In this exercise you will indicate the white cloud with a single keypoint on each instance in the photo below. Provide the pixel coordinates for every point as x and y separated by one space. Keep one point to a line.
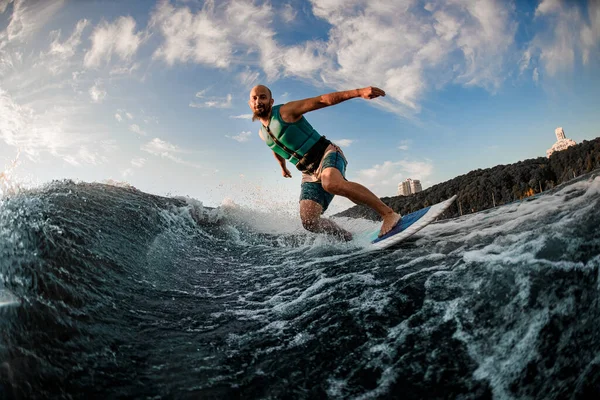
525 60
31 73
249 27
9 62
413 51
343 142
66 49
548 7
200 94
58 57
82 156
305 60
383 179
54 131
121 114
3 5
191 37
241 116
125 70
566 36
97 93
136 129
217 35
166 150
404 144
118 38
248 77
161 148
138 162
27 18
417 169
75 75
213 103
242 137
464 42
108 145
149 119
288 13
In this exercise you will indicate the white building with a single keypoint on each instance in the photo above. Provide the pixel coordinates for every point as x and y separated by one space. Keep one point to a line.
561 142
409 186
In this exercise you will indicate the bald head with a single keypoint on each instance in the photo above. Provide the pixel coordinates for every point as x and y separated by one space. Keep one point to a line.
260 102
261 89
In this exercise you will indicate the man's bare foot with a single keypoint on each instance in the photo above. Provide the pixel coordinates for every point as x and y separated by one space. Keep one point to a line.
389 222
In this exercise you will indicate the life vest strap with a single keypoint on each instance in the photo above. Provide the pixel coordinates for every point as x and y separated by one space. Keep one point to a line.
309 162
291 153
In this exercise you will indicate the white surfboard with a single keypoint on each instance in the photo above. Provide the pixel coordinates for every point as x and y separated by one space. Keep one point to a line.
410 224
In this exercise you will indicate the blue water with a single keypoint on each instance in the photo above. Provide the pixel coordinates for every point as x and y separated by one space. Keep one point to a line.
109 292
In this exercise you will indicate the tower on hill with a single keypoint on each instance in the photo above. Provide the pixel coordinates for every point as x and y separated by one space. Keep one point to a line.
561 142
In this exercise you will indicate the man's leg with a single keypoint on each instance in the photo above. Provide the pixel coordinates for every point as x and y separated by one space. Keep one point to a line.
310 214
334 183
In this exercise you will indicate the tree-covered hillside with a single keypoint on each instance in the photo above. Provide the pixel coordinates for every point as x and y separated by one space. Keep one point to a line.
483 188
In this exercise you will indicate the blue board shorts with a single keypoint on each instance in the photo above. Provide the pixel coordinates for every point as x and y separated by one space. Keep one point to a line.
314 190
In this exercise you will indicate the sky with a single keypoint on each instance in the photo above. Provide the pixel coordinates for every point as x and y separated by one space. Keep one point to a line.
154 94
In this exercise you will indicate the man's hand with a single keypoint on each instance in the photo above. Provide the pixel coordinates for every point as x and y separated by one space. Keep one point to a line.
370 92
285 172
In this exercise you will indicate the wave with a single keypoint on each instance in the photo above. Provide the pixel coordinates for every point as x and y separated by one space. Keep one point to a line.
107 291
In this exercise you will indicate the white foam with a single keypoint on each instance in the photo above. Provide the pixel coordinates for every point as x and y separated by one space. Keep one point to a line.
506 239
503 352
511 352
434 257
316 292
8 185
7 298
268 221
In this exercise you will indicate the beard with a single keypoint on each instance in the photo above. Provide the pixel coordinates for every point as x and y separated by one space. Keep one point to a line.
261 112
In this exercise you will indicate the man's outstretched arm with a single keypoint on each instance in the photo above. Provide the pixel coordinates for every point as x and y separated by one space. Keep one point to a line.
293 111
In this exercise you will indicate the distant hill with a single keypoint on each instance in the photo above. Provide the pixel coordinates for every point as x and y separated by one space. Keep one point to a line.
482 188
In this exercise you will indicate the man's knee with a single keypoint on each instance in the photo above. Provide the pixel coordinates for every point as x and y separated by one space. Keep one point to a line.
333 186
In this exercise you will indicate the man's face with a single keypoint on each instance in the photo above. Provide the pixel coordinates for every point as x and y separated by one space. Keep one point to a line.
260 102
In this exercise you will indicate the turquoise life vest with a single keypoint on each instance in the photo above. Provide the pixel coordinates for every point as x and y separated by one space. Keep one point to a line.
298 142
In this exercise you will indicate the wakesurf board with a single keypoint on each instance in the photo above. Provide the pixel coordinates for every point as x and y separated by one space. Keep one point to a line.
410 224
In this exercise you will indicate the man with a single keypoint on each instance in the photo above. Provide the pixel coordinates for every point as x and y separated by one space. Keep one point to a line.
322 163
